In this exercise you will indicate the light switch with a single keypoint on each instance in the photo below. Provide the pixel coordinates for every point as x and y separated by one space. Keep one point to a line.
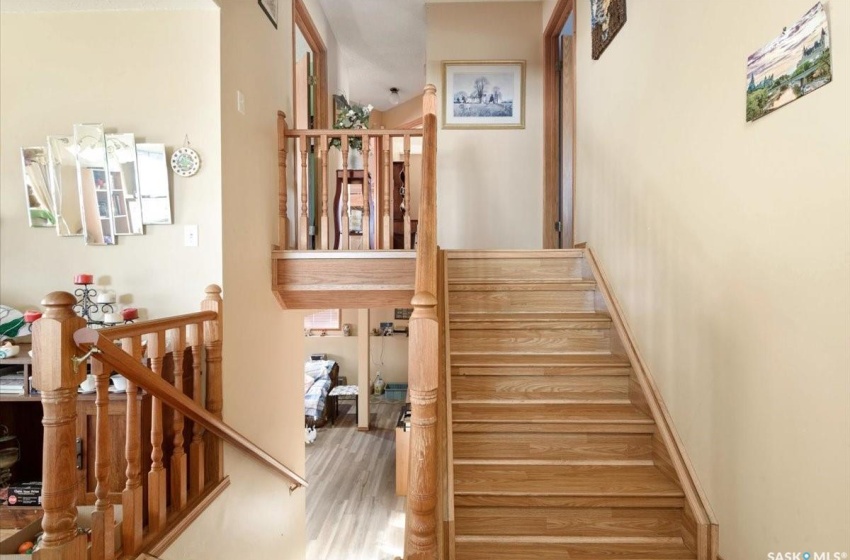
190 236
240 101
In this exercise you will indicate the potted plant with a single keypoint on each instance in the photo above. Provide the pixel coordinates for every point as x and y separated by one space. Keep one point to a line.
351 116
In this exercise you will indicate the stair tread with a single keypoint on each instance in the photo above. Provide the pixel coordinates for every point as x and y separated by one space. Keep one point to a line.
470 548
563 480
514 253
554 413
539 360
489 285
542 317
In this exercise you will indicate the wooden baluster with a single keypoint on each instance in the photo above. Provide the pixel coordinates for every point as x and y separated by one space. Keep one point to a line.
132 504
55 376
366 227
388 181
345 242
423 363
323 188
178 455
407 226
156 477
283 218
103 517
196 448
214 466
305 186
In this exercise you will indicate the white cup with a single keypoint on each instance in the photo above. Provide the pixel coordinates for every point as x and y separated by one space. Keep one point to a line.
113 318
120 382
89 384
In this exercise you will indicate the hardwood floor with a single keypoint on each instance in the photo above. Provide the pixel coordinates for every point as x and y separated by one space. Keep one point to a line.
352 510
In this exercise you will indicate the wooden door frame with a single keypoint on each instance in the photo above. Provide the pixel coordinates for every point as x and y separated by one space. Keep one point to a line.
551 131
302 22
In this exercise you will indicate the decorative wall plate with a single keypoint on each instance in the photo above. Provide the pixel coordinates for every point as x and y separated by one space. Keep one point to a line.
185 161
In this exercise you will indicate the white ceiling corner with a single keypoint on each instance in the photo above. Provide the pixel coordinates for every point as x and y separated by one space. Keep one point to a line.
382 45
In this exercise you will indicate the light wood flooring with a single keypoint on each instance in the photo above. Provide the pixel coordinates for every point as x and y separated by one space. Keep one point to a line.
352 510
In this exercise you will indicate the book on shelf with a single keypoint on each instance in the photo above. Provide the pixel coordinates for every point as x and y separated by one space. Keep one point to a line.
12 383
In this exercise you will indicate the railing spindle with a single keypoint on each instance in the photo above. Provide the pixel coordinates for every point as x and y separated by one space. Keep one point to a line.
132 524
103 518
388 181
366 226
345 242
156 477
196 448
323 178
178 454
305 186
283 217
407 226
57 378
214 458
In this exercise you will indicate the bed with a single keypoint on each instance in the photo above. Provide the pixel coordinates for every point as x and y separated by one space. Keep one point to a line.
320 376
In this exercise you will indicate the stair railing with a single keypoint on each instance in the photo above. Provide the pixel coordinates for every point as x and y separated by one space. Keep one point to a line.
421 534
331 213
155 357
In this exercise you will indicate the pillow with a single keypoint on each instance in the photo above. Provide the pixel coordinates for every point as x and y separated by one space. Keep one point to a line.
12 323
316 369
308 382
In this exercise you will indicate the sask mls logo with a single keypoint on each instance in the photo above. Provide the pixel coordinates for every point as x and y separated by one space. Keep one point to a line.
807 556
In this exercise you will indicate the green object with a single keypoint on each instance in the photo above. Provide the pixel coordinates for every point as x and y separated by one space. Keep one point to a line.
396 391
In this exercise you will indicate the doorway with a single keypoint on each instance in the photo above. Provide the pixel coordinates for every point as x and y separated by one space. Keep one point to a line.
559 133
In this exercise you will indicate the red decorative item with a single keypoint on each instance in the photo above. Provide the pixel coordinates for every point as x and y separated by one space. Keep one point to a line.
130 314
84 279
31 316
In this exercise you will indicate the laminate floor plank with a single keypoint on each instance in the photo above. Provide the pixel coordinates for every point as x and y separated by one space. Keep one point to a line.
352 510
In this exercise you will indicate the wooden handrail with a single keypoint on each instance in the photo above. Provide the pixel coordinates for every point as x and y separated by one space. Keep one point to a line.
111 355
338 132
157 325
423 360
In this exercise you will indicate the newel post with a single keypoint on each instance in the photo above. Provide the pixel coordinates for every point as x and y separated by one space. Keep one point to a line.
57 378
283 218
213 330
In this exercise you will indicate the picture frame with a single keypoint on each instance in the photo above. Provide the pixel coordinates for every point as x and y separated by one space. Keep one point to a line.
270 8
607 18
403 313
483 94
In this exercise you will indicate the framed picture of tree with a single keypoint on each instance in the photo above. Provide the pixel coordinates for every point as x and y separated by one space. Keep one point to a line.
484 94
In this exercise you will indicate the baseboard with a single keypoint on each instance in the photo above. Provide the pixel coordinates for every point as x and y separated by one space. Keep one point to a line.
707 538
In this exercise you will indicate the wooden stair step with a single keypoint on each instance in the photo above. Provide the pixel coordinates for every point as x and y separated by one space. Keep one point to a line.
563 480
581 338
578 297
540 548
539 387
569 522
554 446
548 413
520 320
519 254
520 501
560 285
597 361
508 267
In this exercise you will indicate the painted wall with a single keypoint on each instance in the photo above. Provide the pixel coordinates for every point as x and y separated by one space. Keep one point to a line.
53 75
728 246
263 346
489 181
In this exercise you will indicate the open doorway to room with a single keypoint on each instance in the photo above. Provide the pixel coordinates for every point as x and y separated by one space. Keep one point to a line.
356 398
559 135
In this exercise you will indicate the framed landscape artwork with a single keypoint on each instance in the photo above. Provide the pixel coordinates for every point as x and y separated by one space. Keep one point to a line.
484 94
607 17
792 65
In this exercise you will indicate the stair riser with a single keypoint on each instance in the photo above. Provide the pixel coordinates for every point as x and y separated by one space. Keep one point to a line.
536 301
550 428
506 388
564 447
545 371
531 341
501 269
557 551
569 522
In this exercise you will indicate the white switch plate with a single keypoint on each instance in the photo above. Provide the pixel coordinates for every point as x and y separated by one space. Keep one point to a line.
240 101
190 236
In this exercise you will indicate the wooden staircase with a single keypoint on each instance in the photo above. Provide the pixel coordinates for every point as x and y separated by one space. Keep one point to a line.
555 452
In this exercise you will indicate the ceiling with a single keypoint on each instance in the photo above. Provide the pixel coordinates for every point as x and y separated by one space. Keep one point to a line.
382 44
30 6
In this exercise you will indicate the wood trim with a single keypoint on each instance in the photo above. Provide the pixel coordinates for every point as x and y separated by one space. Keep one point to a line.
157 544
157 325
87 339
551 87
382 254
302 21
694 494
414 124
339 132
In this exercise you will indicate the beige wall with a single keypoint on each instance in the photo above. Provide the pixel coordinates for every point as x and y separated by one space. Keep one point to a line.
53 75
727 244
263 346
403 113
344 349
489 183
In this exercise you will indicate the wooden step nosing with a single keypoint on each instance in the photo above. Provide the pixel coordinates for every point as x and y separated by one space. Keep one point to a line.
574 494
546 539
462 254
513 400
558 462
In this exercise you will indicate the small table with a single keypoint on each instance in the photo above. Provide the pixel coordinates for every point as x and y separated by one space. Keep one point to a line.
343 392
